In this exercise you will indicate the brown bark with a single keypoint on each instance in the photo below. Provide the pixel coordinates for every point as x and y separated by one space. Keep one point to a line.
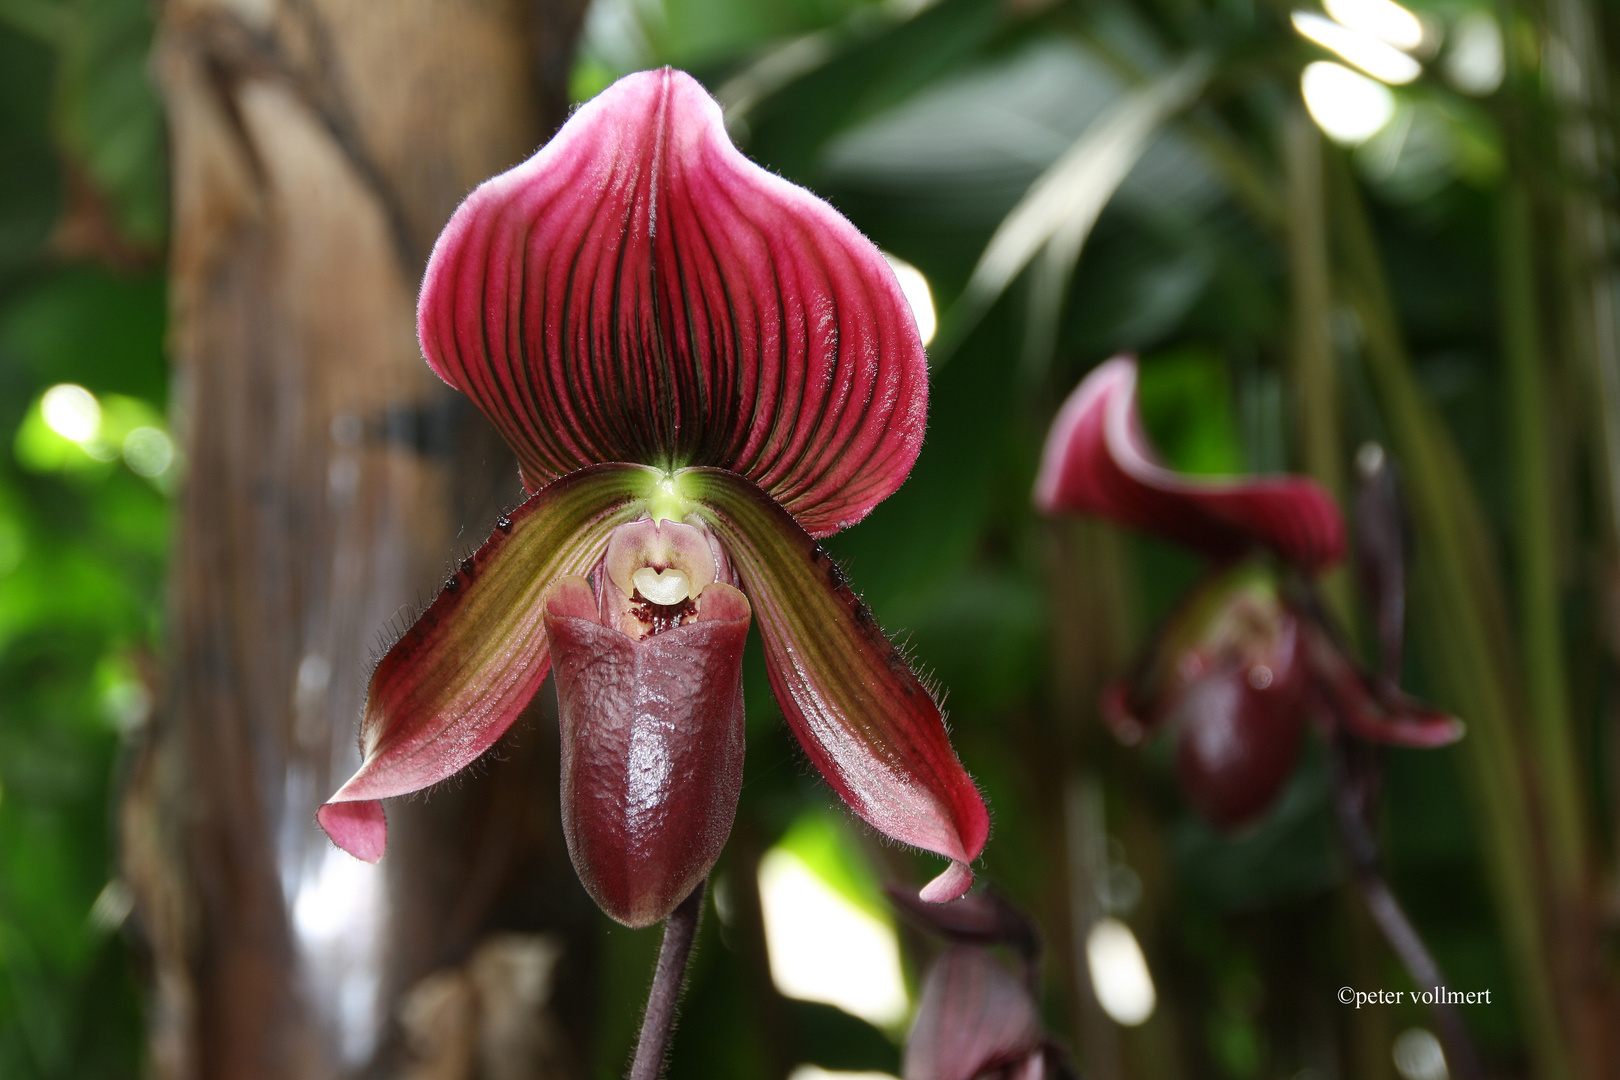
318 147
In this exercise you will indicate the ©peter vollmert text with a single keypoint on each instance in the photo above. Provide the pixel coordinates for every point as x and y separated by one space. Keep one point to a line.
1438 995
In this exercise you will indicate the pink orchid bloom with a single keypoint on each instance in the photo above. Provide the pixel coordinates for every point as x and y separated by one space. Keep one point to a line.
702 369
976 1019
1237 670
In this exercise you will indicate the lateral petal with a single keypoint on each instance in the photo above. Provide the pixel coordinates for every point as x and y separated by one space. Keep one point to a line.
640 291
867 722
461 674
1376 709
1098 461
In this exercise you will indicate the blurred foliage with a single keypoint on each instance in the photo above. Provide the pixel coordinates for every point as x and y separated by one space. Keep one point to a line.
83 535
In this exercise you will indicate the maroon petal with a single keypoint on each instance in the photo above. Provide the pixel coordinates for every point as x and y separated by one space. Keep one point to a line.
868 724
1377 710
1098 461
652 747
459 677
640 291
974 1017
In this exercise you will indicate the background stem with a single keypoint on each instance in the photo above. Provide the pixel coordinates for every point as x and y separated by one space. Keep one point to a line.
1465 623
1541 631
1353 783
1314 372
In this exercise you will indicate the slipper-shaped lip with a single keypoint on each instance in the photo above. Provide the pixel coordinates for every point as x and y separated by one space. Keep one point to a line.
974 1018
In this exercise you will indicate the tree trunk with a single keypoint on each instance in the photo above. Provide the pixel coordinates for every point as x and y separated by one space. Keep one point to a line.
318 146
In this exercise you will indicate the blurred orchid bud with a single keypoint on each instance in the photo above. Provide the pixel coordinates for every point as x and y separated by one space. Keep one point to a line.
1228 676
975 1020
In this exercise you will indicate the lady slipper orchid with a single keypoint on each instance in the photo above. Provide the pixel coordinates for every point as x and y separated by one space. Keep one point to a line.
975 1021
1242 663
702 369
976 1018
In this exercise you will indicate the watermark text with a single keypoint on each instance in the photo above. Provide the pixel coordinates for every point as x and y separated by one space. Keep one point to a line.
1438 995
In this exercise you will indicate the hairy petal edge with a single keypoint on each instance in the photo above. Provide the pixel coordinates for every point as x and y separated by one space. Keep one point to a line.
866 721
471 663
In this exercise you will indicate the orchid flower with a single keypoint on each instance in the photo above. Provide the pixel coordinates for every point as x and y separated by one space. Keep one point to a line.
702 370
1243 662
976 1018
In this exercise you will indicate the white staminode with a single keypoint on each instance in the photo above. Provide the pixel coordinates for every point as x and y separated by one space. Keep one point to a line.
1119 973
669 586
1350 108
824 948
72 412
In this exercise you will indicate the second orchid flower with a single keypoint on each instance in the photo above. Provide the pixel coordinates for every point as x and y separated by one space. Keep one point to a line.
1242 664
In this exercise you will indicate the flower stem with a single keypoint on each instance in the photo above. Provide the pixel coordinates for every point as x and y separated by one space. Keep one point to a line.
1355 783
680 928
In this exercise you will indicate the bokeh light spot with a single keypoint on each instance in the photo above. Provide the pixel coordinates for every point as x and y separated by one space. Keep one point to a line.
918 295
1119 973
1350 108
824 948
71 411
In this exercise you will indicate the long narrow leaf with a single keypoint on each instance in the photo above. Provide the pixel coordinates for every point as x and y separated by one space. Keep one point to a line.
1065 201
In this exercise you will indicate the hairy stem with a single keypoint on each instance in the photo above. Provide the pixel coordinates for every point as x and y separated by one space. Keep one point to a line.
1354 782
680 928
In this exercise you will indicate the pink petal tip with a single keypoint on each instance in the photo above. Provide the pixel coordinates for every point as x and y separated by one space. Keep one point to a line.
956 880
357 827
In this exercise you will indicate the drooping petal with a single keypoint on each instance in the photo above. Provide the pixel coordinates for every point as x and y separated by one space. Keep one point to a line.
974 1017
866 721
461 674
1098 461
1376 710
652 747
640 291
